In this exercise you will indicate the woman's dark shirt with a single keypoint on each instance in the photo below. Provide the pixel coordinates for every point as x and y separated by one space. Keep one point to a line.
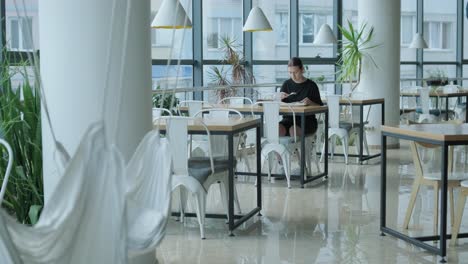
308 89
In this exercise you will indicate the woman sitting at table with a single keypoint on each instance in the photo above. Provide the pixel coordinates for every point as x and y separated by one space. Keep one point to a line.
299 89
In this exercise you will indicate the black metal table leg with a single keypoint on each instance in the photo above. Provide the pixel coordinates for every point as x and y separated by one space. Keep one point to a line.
446 108
326 144
302 172
231 183
443 211
361 132
466 109
259 169
383 184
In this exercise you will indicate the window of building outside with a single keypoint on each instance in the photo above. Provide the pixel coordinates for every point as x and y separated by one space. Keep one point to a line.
439 35
171 43
20 36
282 28
408 29
222 27
310 25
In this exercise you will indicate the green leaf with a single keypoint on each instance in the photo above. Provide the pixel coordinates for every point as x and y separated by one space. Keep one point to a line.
34 212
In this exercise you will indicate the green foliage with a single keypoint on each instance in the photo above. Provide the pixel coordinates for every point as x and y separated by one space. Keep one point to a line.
355 45
20 123
233 56
168 101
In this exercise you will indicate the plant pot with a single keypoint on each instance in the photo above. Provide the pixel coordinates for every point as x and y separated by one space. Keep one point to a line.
437 82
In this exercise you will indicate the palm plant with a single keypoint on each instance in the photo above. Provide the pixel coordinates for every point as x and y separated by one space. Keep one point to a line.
355 47
20 125
238 74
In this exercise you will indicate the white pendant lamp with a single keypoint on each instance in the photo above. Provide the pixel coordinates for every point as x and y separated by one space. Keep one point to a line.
418 42
256 21
171 15
325 36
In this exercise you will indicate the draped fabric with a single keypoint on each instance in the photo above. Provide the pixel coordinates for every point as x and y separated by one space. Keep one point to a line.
100 209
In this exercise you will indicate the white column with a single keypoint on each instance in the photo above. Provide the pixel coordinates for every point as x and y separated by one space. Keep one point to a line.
384 81
74 41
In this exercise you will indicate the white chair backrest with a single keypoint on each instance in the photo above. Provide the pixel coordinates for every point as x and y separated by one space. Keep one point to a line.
407 102
451 88
218 113
425 100
355 109
193 106
238 100
271 118
158 112
333 102
219 144
177 133
8 169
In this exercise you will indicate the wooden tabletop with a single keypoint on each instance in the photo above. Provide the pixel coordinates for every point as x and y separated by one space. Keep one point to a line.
438 132
284 108
359 101
216 124
437 94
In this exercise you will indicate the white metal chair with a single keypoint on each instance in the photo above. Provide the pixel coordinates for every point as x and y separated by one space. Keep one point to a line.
334 130
433 180
426 113
408 104
283 146
158 112
195 174
353 124
461 201
453 101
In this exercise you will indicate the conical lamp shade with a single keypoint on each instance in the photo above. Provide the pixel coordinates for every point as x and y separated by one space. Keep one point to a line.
257 21
325 35
171 15
418 42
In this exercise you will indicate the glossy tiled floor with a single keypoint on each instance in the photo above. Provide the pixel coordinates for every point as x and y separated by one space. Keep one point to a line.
332 221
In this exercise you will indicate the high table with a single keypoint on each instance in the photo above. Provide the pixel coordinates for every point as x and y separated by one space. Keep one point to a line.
444 135
230 127
459 94
299 110
361 103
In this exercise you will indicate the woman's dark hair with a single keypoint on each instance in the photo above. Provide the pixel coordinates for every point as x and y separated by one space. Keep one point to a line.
295 62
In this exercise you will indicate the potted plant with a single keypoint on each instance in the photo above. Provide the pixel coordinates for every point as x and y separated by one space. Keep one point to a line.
355 46
20 126
238 73
168 101
436 78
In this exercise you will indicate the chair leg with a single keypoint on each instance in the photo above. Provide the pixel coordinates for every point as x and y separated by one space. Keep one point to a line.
458 217
345 148
436 207
287 167
366 146
182 202
452 205
332 147
200 199
323 151
409 210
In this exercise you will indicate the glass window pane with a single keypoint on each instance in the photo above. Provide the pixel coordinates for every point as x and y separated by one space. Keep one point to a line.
18 36
465 31
313 14
440 20
438 71
408 29
162 41
173 78
221 20
273 45
269 74
350 12
407 75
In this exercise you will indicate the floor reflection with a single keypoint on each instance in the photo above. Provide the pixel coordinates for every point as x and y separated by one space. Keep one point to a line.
335 221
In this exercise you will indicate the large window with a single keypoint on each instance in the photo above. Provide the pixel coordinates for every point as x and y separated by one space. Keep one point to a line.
22 31
220 28
171 43
408 29
282 28
273 45
222 20
440 30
